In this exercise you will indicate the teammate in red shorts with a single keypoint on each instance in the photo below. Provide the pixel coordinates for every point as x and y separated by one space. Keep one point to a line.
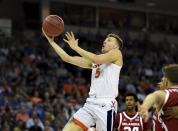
163 99
129 120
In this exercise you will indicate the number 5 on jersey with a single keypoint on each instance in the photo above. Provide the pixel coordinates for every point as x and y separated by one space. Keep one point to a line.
97 74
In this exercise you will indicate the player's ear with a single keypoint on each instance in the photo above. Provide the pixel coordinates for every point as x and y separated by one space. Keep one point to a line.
116 46
166 82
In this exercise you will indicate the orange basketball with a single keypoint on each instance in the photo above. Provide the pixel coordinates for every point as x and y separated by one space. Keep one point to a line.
53 25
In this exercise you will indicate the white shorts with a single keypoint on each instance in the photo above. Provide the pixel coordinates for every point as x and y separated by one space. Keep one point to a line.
99 112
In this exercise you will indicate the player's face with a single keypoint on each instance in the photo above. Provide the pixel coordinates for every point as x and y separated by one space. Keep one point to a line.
130 102
109 44
162 84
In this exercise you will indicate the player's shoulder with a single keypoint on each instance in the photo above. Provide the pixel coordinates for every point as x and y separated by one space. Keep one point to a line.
118 115
118 55
159 92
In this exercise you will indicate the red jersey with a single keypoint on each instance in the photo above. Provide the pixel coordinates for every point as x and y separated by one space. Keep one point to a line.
170 101
156 124
123 122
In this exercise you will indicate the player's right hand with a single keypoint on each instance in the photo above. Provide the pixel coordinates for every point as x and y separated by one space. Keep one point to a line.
143 112
50 39
72 42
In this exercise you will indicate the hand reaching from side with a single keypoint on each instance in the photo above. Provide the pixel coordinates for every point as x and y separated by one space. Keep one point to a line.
73 43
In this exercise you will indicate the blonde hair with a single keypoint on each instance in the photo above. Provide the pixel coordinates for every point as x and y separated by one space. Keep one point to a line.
171 73
118 38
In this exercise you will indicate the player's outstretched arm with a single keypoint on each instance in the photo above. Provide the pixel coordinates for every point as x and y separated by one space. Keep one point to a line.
155 99
73 43
108 57
78 61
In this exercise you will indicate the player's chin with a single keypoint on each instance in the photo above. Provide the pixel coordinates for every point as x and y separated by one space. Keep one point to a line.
130 107
102 50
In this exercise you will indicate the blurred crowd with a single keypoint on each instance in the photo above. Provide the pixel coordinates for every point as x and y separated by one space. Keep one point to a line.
40 92
110 18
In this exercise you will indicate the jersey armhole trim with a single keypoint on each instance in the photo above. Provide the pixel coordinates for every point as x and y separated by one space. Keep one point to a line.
141 122
120 121
165 100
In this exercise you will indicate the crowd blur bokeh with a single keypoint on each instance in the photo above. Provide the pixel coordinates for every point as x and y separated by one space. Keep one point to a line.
38 91
110 18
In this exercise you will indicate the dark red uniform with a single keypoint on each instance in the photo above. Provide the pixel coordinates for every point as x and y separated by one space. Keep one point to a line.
156 124
170 101
124 122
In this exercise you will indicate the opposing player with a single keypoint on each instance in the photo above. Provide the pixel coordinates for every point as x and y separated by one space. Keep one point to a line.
156 124
170 112
130 120
163 99
101 106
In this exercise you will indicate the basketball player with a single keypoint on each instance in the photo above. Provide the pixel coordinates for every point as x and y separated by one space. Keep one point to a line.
101 106
130 120
156 124
163 99
170 112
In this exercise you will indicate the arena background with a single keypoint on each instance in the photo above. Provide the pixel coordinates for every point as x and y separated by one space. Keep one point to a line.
36 85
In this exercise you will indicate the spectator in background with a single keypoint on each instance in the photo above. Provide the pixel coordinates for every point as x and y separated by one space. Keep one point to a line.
34 122
20 126
5 89
4 102
36 126
49 116
37 107
62 117
22 115
5 126
61 71
58 126
145 85
36 98
47 126
47 102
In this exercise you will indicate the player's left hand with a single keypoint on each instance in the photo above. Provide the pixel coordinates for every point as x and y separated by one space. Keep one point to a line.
143 112
171 112
73 43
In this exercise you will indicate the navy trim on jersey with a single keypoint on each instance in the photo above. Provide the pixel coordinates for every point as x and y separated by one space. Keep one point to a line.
114 116
110 119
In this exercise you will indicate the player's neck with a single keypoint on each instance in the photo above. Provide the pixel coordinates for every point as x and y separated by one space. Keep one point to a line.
131 112
176 85
172 85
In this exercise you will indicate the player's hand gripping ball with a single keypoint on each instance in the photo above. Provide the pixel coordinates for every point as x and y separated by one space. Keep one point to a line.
53 25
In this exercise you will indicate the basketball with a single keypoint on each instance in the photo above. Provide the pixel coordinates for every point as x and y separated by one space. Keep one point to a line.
53 25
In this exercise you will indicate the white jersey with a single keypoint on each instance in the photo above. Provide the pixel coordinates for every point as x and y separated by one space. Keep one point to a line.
101 106
105 80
